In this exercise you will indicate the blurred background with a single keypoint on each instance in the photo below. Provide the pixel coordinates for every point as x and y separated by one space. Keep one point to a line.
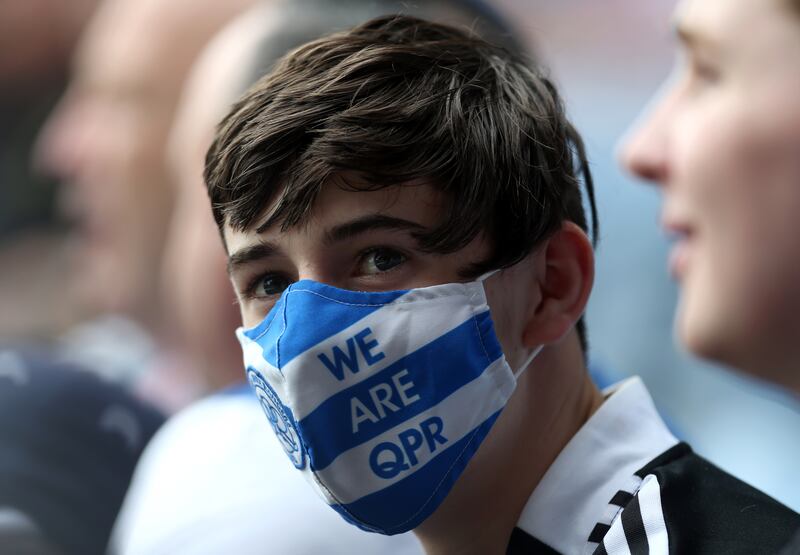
609 59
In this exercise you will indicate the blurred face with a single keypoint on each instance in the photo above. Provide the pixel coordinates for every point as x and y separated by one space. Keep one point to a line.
201 305
106 142
723 144
198 295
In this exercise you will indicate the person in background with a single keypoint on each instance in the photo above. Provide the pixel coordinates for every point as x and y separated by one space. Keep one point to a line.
722 145
213 481
105 142
69 442
36 40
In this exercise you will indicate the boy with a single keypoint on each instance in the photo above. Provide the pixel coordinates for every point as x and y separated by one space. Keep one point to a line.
403 217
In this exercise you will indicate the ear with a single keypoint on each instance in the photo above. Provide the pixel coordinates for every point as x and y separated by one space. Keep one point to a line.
564 275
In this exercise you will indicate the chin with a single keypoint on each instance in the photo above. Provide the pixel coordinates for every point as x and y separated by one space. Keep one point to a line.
778 372
711 337
698 334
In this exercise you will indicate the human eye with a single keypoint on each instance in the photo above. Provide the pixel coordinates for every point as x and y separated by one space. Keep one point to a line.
705 72
379 260
268 285
701 70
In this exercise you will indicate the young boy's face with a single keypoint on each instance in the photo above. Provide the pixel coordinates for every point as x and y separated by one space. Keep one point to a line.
357 240
724 145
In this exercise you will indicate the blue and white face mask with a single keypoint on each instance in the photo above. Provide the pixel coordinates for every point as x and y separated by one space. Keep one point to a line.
380 399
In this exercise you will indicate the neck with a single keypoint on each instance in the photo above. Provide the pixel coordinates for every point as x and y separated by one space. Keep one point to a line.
553 399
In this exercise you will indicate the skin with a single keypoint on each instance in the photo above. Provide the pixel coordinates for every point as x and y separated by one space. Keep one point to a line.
106 142
536 302
723 146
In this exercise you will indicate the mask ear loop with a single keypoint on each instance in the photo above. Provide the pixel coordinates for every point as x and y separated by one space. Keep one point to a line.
528 361
487 275
533 353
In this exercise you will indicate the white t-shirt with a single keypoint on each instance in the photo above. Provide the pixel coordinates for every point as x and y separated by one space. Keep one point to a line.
215 481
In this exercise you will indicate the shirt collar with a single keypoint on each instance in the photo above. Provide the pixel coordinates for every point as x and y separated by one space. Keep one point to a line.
621 437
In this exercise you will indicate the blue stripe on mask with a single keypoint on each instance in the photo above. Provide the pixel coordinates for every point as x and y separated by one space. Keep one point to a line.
468 350
313 321
409 496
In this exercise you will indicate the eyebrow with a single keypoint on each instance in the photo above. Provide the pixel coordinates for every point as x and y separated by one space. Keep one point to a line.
370 222
341 232
692 38
250 254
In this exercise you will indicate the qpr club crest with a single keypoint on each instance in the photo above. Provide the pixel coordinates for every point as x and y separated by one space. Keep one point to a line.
280 418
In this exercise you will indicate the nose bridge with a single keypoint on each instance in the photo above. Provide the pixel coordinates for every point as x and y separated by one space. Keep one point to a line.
316 272
645 152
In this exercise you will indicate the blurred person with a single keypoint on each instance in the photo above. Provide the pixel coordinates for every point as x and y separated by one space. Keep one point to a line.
631 311
401 205
36 39
69 443
106 142
212 481
722 144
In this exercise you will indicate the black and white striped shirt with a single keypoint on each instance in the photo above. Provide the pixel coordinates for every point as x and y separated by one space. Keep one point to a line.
625 485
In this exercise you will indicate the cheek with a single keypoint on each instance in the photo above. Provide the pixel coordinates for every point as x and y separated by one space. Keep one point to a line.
252 315
737 170
741 182
757 201
507 304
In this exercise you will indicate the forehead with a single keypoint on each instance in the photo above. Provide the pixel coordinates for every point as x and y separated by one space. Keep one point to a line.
132 49
730 21
215 80
418 202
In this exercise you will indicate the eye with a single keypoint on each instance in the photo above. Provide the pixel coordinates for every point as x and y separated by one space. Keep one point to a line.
270 285
704 71
380 260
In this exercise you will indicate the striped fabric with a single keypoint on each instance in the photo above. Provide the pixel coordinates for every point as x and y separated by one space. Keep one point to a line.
639 527
625 484
379 398
615 506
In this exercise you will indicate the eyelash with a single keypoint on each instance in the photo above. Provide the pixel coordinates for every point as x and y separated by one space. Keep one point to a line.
250 287
249 290
704 71
362 256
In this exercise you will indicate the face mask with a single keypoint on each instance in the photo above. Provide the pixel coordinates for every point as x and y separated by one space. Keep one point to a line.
380 399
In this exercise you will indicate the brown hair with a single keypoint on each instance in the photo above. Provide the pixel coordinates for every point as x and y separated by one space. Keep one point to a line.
394 100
